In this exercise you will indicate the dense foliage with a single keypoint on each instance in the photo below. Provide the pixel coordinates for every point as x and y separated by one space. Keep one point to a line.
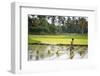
44 25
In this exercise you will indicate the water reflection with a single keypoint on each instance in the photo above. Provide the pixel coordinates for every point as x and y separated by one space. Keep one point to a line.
56 52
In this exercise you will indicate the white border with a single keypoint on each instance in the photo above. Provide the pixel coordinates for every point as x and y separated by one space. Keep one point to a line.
19 64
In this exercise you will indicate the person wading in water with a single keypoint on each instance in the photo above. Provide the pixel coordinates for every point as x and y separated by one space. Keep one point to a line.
71 49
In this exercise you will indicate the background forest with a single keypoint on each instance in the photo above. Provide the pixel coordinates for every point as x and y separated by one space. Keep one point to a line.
40 24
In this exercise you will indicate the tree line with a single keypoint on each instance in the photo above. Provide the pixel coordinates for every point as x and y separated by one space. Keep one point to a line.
42 24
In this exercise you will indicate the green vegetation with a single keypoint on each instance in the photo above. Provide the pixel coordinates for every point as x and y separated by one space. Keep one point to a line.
67 33
57 29
56 25
58 39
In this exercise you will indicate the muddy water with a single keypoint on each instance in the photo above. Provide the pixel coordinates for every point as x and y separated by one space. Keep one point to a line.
56 52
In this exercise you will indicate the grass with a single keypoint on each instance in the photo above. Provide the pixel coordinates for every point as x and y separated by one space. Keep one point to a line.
59 39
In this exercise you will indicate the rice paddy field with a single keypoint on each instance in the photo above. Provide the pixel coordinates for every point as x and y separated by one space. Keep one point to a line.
55 47
58 39
53 37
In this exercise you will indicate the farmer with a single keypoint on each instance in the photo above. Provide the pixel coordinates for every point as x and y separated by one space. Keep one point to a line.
71 49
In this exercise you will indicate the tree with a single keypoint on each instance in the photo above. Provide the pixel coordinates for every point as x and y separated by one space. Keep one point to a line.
61 20
68 24
82 23
41 24
53 19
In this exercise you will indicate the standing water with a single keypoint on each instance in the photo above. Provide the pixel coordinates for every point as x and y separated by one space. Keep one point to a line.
56 52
